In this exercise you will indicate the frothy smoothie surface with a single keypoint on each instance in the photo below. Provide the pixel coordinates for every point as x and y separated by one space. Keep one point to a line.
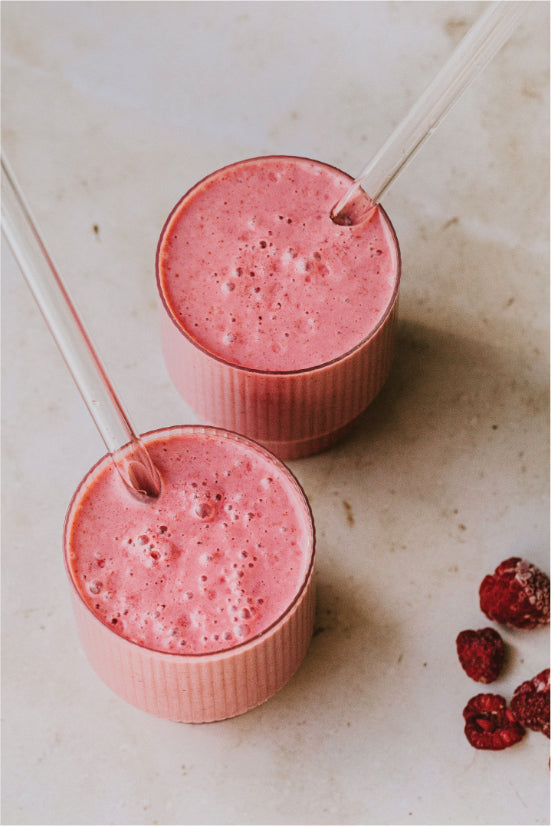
216 560
252 267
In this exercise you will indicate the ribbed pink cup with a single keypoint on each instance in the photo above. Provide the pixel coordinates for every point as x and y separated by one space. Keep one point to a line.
292 413
200 688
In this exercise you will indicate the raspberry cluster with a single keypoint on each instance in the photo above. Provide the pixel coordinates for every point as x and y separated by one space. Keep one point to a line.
517 595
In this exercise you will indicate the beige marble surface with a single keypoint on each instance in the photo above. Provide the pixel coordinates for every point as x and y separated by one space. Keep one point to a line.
110 111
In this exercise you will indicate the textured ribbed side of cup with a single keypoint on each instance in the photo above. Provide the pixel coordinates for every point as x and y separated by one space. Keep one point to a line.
292 414
204 688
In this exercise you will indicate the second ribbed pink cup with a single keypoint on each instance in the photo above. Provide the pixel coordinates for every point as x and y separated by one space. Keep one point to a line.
276 322
199 605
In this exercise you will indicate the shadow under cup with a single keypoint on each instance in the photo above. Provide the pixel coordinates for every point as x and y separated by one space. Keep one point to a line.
204 687
292 413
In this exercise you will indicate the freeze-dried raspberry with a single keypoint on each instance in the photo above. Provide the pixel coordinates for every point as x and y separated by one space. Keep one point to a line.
530 703
481 653
516 594
489 724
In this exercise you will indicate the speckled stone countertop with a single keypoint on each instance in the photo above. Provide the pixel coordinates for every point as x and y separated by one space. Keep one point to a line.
110 112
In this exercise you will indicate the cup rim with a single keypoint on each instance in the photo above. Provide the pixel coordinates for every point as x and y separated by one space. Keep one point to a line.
222 652
255 370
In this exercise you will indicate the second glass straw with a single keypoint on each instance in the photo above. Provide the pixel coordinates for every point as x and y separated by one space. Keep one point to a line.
478 47
126 448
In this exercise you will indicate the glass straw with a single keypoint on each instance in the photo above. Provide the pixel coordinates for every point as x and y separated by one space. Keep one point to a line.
475 51
129 454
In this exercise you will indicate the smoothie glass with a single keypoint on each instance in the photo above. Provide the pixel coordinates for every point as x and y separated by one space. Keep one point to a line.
294 409
229 676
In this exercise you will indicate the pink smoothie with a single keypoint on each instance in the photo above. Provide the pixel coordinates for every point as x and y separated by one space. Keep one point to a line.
254 270
276 322
212 564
